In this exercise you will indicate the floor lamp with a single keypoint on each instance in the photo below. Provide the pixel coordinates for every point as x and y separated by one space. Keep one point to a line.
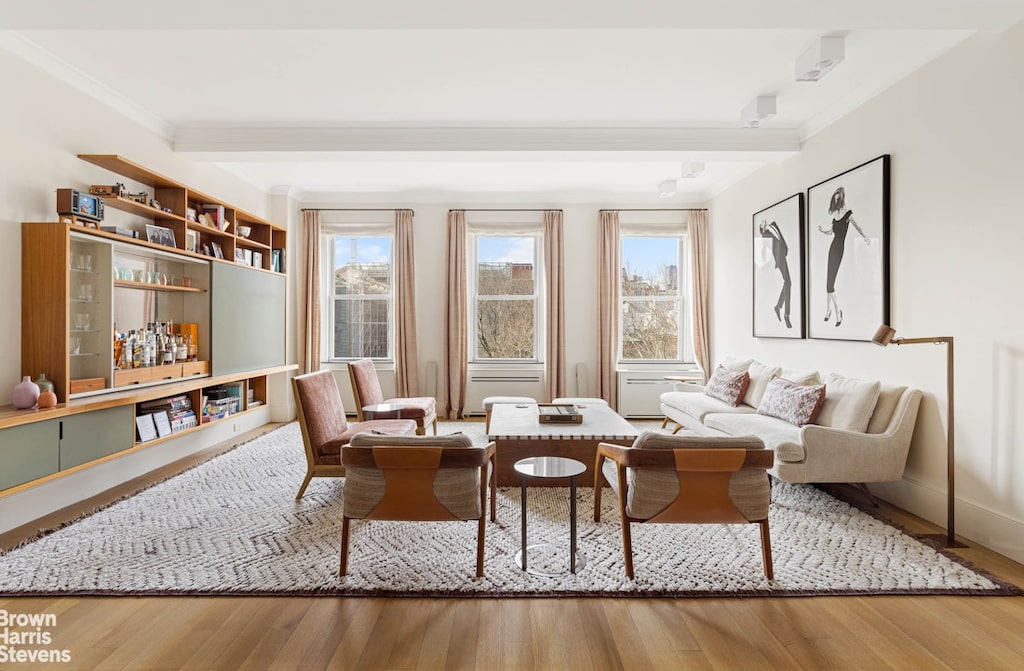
885 335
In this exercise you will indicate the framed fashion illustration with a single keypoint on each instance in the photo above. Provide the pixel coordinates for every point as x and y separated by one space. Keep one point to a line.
848 253
778 268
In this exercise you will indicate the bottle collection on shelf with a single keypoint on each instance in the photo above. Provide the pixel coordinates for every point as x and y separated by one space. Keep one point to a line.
159 343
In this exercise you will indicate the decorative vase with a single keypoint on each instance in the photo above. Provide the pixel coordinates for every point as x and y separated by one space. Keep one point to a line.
47 399
25 394
44 384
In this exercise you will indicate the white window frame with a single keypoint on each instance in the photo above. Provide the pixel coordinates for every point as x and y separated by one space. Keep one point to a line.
538 297
328 297
684 353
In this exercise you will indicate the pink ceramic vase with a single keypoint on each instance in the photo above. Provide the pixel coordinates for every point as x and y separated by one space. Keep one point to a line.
25 394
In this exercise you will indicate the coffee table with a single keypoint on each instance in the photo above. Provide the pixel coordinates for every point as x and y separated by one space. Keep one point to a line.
545 468
517 434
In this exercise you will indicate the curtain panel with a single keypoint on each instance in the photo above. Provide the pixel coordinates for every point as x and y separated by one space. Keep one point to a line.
407 381
699 278
608 307
554 274
310 300
455 320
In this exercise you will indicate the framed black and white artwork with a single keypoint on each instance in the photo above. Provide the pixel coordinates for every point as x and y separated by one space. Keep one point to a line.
848 253
778 267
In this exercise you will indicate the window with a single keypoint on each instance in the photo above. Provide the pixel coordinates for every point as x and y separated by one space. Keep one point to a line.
361 297
504 293
653 320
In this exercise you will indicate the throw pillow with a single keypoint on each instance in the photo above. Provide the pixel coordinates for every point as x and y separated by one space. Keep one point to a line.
797 404
760 376
734 364
849 402
801 376
727 385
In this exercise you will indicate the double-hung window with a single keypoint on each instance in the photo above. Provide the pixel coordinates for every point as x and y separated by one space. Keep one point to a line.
505 297
360 293
654 305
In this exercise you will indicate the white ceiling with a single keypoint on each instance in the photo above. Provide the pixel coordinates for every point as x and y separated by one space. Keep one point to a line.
410 100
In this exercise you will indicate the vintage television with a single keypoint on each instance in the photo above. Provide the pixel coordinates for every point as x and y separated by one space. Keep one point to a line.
78 204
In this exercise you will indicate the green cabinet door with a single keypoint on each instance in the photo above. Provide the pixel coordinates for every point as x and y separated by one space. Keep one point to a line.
92 435
29 452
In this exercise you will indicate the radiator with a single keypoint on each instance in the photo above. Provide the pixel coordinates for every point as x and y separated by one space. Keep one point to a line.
483 383
640 393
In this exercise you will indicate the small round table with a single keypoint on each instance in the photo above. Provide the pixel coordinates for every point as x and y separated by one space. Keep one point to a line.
551 467
390 410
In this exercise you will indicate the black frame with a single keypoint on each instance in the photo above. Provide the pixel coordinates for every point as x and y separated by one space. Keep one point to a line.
769 320
860 294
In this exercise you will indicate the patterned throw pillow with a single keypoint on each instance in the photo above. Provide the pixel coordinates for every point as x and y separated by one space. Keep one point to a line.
795 403
727 385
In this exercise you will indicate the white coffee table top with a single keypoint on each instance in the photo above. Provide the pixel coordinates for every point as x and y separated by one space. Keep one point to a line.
520 421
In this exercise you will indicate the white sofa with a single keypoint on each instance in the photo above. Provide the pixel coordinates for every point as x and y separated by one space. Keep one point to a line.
826 451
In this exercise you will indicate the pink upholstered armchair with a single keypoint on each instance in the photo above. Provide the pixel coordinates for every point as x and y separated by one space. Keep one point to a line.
325 429
366 389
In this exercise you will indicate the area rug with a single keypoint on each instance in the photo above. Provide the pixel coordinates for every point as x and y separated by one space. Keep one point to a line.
231 526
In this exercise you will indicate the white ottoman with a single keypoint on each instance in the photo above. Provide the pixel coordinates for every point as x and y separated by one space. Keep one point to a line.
491 400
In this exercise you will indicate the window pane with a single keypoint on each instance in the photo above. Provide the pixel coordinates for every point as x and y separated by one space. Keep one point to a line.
504 329
650 266
360 328
505 266
362 265
650 329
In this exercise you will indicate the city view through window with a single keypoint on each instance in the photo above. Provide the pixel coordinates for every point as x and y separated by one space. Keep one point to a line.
362 297
506 297
650 322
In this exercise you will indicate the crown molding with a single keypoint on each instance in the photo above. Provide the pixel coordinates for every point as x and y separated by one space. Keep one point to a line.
72 76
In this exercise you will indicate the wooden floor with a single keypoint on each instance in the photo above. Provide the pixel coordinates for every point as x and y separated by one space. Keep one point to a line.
702 633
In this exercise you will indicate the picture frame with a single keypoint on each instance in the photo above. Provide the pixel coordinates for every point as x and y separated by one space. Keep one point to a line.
206 250
239 255
848 253
777 264
160 235
191 241
190 213
217 251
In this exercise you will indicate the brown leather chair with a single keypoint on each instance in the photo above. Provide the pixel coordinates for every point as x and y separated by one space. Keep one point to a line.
366 389
325 428
417 478
688 479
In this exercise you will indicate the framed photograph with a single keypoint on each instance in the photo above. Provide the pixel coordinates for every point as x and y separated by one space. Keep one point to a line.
239 255
848 253
778 268
217 251
206 250
191 241
190 213
160 235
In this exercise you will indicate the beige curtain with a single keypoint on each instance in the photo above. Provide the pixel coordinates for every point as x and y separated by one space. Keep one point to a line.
698 229
407 381
608 307
455 326
554 274
310 336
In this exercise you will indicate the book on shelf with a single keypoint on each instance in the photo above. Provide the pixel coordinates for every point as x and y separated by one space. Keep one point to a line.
216 214
277 260
146 428
163 423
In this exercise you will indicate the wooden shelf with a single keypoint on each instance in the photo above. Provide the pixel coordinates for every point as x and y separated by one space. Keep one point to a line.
126 205
132 284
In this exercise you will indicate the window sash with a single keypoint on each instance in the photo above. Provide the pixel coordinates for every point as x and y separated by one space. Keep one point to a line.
681 298
476 299
329 326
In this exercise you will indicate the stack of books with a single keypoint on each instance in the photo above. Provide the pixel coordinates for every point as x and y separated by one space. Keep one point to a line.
221 401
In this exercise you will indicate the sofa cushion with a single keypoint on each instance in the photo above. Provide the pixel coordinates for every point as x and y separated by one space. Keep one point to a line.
801 376
699 405
728 386
849 402
736 365
777 435
888 397
760 376
795 403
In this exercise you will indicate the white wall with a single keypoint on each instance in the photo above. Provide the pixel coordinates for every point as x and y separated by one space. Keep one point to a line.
957 235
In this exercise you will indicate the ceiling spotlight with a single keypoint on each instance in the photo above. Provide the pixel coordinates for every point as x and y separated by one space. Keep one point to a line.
667 188
819 60
758 111
692 169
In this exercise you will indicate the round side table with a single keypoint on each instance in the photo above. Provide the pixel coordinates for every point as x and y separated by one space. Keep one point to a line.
550 467
389 410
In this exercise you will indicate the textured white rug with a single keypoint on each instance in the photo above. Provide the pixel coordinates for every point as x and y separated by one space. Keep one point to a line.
231 526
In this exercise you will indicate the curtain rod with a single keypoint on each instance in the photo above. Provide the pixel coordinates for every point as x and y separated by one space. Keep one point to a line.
355 209
656 209
510 209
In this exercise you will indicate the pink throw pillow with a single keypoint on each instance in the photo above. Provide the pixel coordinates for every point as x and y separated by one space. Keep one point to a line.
727 385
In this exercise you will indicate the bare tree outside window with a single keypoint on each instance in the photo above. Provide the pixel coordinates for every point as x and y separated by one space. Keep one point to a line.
506 297
362 297
652 319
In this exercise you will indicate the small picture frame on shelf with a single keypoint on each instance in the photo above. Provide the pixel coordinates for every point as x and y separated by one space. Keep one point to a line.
191 241
160 235
240 255
190 213
217 251
206 250
205 220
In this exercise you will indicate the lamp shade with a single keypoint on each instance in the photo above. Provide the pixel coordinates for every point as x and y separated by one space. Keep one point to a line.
884 335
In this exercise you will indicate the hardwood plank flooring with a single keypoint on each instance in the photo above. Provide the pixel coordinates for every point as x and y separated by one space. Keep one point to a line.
891 632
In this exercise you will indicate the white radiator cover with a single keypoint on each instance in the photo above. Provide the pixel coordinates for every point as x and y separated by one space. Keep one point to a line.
640 392
482 383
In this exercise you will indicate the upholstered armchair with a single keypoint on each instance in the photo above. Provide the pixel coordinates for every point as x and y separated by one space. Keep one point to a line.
690 480
325 428
417 478
366 389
